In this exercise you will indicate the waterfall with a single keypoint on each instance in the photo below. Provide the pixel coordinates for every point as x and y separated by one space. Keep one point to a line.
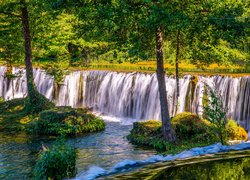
17 88
134 95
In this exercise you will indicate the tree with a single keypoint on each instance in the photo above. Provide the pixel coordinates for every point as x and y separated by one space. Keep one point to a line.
17 13
215 113
28 52
220 33
124 24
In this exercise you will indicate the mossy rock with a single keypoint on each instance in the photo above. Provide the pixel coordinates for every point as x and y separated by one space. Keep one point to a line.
66 121
149 127
235 132
11 106
191 131
147 133
38 104
13 116
188 125
57 114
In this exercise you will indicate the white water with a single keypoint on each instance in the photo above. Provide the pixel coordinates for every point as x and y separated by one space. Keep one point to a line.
134 96
124 165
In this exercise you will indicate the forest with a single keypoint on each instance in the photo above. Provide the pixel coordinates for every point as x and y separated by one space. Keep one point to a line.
114 88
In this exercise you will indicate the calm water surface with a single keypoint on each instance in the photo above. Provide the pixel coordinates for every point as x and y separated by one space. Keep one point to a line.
18 153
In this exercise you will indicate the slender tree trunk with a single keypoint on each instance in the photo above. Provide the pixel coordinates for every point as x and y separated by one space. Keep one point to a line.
167 130
28 51
177 64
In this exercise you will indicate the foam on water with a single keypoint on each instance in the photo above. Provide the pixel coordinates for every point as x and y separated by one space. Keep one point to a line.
122 121
127 164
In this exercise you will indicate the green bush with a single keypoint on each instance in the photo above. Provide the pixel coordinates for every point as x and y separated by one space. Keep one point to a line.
215 113
190 129
67 121
235 132
147 133
38 104
188 125
58 162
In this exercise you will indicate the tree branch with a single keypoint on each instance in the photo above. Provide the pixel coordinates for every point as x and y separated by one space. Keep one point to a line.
10 14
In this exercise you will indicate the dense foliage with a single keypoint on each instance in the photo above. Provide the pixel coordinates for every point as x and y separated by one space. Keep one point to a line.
66 121
191 131
57 162
80 32
14 118
215 112
235 132
191 126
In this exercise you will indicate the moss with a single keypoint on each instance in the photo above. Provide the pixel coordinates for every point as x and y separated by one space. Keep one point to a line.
147 134
235 132
191 131
188 125
58 120
37 104
13 116
66 120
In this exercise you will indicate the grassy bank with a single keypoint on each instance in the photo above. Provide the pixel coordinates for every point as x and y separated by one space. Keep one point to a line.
150 67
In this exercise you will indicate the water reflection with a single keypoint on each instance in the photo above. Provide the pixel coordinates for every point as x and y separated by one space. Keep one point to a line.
223 169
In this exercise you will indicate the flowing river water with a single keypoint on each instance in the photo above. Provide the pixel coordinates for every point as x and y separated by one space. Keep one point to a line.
122 97
104 149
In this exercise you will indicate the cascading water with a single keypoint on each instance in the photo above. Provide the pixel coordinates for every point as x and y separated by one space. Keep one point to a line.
16 88
134 95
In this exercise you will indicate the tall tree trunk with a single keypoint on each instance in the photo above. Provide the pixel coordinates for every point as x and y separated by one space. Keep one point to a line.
28 51
177 64
167 130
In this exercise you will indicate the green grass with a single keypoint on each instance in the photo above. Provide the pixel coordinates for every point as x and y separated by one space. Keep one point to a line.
149 67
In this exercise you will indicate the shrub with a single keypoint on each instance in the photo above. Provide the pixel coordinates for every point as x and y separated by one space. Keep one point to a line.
67 121
56 163
150 127
38 104
187 125
235 132
191 131
147 133
215 113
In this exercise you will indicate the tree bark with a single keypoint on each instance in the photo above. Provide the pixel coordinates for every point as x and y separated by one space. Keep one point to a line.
167 130
177 65
28 51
